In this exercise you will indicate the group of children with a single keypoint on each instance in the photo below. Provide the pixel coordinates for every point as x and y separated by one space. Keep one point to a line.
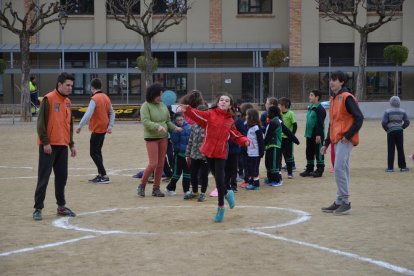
226 141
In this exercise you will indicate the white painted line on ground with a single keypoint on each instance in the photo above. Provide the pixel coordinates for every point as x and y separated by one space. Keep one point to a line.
9 167
48 245
382 264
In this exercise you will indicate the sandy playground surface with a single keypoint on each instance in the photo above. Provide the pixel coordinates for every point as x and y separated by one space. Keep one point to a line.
274 231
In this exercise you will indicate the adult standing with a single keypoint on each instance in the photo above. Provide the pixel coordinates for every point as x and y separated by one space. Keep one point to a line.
101 117
55 133
157 122
345 121
34 94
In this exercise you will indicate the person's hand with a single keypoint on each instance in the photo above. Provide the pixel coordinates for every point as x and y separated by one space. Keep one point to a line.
161 129
188 160
109 130
183 107
178 129
47 149
323 150
78 130
318 140
344 140
248 144
72 151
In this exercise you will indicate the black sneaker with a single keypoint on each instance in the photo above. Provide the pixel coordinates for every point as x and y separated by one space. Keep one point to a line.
306 173
93 180
404 169
317 173
65 212
141 190
102 180
331 208
37 214
344 209
157 193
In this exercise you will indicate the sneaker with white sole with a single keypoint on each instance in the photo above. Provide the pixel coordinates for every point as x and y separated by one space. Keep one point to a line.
170 193
93 180
201 197
141 190
344 209
331 208
37 214
65 212
102 180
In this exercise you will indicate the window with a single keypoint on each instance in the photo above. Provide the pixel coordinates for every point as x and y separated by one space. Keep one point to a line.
121 9
166 6
339 54
254 6
336 5
81 7
389 5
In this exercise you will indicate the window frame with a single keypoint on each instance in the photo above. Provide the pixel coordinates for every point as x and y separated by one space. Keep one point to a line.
248 9
88 7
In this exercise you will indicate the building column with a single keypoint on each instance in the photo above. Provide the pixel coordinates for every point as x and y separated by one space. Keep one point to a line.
216 36
295 48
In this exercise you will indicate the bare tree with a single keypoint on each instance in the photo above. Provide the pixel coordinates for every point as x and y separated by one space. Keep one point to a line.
26 25
345 12
169 13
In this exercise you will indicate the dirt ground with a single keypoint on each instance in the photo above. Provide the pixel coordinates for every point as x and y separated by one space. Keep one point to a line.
273 231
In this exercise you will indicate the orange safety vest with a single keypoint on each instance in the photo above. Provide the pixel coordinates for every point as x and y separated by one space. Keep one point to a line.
58 124
340 119
100 118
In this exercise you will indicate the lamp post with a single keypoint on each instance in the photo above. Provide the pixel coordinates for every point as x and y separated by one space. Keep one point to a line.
63 18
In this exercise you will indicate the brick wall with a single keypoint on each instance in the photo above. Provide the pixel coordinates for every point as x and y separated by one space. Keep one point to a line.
295 47
216 36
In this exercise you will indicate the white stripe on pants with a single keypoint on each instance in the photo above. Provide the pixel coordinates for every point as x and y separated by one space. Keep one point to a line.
342 153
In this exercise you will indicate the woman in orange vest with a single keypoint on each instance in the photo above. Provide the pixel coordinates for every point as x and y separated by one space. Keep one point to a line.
55 135
345 121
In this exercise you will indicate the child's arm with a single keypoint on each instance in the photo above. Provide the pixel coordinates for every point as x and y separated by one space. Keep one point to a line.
237 137
290 135
271 127
320 115
260 143
385 121
406 121
198 116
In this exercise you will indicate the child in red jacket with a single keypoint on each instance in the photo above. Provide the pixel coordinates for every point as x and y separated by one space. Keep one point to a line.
219 125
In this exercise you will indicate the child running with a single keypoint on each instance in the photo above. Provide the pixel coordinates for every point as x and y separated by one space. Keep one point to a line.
255 150
219 125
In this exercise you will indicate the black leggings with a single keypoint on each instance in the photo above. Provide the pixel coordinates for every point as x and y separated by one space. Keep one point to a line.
217 167
96 144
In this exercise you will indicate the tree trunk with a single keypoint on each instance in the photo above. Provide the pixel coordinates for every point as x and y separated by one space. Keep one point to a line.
360 86
273 82
396 81
26 114
148 61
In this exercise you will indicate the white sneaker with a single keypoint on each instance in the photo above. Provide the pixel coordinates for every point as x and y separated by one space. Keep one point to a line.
170 193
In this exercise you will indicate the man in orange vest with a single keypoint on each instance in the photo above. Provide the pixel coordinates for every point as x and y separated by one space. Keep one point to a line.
101 118
55 134
345 121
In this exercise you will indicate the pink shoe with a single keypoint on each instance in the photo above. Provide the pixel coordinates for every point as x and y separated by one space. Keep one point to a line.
244 184
332 170
214 193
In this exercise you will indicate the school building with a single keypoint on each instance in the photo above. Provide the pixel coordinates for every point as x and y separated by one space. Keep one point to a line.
221 45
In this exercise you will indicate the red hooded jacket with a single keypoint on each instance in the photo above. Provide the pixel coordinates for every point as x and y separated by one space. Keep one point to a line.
218 125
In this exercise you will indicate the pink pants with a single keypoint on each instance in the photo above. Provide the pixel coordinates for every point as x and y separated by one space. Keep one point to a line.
156 155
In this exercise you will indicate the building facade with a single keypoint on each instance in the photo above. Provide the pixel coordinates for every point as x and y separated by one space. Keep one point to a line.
221 45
